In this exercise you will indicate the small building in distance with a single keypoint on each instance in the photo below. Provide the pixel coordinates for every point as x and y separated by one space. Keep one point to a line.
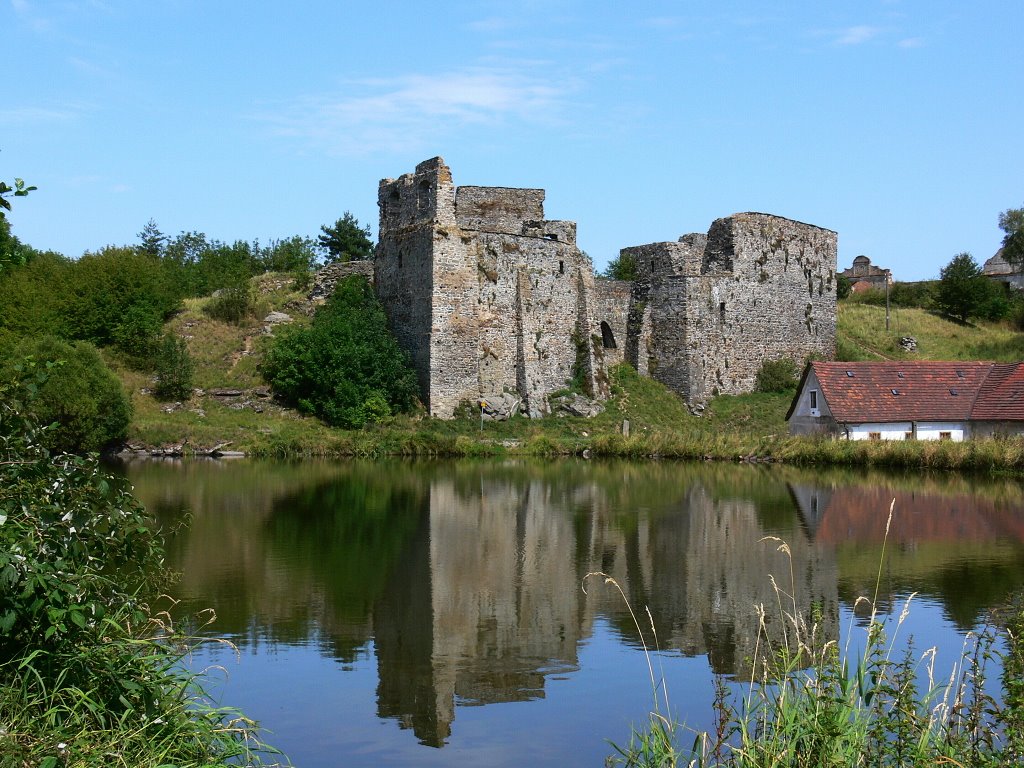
998 268
865 276
909 400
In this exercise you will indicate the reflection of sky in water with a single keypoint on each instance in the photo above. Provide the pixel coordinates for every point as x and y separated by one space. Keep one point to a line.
321 712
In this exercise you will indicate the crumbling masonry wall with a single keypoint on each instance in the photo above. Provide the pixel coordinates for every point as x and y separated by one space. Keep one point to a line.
489 297
485 294
708 311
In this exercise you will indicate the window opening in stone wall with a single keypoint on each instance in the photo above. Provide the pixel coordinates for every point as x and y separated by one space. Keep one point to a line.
607 337
550 236
721 311
814 398
399 259
423 196
561 267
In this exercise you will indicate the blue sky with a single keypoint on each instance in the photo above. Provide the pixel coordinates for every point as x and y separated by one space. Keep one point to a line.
896 123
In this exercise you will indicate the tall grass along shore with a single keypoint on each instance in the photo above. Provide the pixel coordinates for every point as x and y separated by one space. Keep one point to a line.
91 671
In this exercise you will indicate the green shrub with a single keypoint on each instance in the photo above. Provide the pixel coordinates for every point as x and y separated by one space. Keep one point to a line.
777 376
346 367
232 304
81 395
173 369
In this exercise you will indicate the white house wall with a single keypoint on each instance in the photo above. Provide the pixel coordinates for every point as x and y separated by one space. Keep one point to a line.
925 430
929 430
888 431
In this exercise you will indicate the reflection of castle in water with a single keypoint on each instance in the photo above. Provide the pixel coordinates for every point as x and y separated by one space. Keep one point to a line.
465 579
486 602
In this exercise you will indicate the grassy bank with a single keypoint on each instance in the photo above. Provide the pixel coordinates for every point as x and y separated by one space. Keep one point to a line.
747 427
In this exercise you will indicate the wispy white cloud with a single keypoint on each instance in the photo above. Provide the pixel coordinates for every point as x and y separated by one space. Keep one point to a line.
493 24
856 35
911 42
416 110
29 16
35 115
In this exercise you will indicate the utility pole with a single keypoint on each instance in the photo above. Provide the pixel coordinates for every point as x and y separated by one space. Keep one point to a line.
887 277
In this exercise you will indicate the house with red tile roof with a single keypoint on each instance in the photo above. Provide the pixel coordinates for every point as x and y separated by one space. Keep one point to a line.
909 400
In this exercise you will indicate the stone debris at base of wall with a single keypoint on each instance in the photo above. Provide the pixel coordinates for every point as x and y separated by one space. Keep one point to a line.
909 343
577 405
500 407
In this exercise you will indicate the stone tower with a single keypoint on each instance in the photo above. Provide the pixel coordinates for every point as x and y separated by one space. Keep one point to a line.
484 293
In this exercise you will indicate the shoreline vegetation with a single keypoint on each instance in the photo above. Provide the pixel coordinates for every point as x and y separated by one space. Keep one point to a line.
876 700
746 428
231 410
92 670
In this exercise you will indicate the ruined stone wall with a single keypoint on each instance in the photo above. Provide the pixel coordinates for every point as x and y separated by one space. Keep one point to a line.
528 304
774 298
610 307
487 296
498 209
328 276
706 312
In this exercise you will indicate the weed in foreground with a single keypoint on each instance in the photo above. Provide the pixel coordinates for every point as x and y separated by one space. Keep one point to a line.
810 704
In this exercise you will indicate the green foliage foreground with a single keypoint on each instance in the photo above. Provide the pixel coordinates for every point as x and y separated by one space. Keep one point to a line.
89 675
810 704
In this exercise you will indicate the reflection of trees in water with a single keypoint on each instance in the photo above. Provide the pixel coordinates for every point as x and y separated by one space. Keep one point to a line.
467 575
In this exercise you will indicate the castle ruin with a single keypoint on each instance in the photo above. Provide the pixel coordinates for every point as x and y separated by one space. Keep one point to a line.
489 297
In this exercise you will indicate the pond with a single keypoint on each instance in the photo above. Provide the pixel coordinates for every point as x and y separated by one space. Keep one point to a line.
398 613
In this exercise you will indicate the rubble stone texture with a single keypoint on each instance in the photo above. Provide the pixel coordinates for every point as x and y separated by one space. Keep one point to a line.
488 296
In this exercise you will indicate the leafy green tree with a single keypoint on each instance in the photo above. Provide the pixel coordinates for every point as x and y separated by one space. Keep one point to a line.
18 190
296 254
35 296
777 376
843 286
622 267
151 239
963 288
346 367
120 296
12 252
80 394
345 240
173 369
1012 223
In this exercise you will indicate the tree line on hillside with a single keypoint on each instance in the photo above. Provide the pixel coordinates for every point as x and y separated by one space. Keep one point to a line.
344 367
61 311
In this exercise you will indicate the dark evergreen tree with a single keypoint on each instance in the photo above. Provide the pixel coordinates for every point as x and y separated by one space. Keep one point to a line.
151 239
346 240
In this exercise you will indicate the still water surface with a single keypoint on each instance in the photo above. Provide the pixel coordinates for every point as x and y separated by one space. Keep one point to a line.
395 613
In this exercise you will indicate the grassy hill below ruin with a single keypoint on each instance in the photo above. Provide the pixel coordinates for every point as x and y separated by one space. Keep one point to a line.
233 408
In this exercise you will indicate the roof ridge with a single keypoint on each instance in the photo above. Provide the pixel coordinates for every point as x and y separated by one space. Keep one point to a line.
977 392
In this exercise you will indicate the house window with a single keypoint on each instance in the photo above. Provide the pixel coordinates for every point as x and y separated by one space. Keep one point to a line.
945 435
814 398
874 435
